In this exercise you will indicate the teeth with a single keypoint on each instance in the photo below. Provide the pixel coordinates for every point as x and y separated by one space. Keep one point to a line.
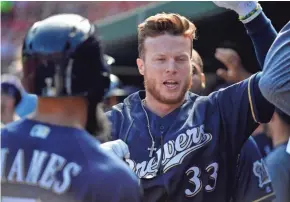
170 82
170 85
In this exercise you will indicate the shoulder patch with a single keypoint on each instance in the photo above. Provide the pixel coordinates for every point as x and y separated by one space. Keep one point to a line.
260 170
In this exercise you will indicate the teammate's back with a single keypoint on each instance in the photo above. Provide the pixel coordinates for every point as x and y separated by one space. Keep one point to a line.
53 163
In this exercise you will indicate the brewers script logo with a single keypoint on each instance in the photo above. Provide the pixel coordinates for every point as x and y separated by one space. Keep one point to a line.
174 152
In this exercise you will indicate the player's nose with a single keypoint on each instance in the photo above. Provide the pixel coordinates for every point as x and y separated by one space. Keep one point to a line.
171 66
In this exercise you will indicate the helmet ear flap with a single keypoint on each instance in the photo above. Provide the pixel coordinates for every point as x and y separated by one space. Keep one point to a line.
90 73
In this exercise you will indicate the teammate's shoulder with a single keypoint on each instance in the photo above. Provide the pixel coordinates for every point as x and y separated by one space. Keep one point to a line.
110 173
191 96
128 104
11 127
112 170
116 111
198 99
251 143
118 107
250 148
131 100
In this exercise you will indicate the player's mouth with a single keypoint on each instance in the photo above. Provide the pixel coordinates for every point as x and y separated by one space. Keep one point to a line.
170 84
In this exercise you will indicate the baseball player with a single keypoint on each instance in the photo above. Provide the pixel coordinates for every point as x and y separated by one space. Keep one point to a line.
181 145
52 156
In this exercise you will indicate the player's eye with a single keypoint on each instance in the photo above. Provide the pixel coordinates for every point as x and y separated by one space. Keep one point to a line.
182 59
160 59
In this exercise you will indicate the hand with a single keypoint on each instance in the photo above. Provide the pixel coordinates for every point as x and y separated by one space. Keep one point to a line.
117 147
242 8
235 70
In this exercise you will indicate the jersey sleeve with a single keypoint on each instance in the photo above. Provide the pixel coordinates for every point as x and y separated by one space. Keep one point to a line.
242 107
262 34
253 180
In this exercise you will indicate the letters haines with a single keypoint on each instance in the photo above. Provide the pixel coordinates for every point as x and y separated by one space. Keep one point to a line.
174 152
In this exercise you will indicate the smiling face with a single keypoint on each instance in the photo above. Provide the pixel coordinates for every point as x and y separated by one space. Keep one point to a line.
166 67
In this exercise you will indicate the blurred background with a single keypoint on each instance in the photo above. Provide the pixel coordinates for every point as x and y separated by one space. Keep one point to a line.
117 22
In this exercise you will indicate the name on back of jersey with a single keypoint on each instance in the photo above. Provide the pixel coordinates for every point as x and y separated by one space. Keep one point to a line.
45 170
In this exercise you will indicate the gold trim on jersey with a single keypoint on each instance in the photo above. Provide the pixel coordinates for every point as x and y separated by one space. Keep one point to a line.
250 101
264 197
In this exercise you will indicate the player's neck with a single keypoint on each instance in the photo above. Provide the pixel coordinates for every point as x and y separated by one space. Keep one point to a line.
159 108
8 118
68 111
280 135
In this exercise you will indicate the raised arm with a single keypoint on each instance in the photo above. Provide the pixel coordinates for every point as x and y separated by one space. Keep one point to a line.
258 26
262 34
247 105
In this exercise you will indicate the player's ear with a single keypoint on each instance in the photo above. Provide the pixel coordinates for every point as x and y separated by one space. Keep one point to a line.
141 66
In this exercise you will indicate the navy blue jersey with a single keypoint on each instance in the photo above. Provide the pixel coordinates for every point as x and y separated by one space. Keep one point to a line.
264 143
197 144
253 181
43 162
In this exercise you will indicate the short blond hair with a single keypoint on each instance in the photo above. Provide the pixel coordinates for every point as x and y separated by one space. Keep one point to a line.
164 23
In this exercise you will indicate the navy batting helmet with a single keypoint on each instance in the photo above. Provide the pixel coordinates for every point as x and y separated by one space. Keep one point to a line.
62 56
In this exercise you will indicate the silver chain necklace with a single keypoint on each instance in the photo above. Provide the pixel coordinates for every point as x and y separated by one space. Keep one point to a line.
152 148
